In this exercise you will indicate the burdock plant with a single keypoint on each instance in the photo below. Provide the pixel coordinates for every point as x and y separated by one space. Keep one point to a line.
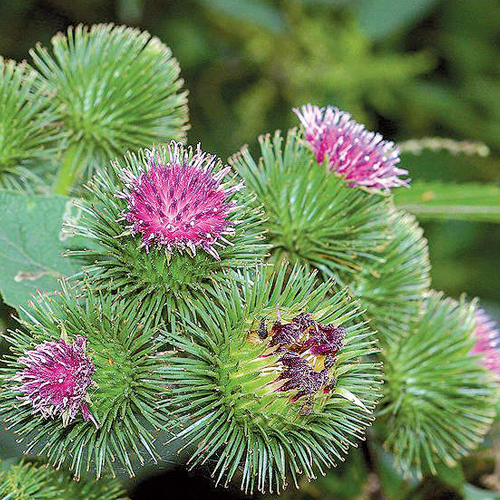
276 379
27 125
114 88
82 382
169 222
441 390
250 311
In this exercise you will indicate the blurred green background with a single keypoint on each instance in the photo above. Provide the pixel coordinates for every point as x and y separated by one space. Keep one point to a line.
408 68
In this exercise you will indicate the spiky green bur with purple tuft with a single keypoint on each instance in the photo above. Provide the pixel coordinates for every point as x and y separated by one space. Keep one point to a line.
169 223
277 379
313 217
361 157
115 88
36 481
27 125
319 219
82 382
439 398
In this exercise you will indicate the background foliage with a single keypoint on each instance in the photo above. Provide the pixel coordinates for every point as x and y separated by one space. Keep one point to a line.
409 69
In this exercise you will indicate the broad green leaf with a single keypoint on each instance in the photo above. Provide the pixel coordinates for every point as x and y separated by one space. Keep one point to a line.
436 200
392 482
474 493
32 240
380 18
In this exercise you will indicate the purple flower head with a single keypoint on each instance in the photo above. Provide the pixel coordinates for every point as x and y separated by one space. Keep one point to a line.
487 343
56 379
289 333
306 381
325 339
301 344
181 204
363 158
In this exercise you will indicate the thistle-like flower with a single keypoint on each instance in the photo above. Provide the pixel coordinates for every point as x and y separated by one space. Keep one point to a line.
56 379
431 370
35 481
27 124
79 344
277 378
169 223
363 158
312 217
115 88
182 204
487 343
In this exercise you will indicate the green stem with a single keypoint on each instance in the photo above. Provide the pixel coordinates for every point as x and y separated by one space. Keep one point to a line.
67 174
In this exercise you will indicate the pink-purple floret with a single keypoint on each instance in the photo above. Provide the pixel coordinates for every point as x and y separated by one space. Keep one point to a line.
56 379
299 341
363 158
180 204
487 343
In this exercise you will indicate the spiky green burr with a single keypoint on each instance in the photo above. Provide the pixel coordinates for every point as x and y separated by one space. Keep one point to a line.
392 287
27 124
115 88
312 216
121 342
439 401
166 276
35 481
275 380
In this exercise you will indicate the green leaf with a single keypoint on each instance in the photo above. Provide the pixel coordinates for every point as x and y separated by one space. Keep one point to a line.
32 241
392 482
451 476
380 18
473 493
254 12
437 200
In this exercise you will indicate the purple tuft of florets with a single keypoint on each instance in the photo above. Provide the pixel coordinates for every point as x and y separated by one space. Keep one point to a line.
487 343
56 379
181 203
325 339
363 158
301 344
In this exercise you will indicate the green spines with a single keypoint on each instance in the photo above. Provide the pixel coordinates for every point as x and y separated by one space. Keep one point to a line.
122 342
391 288
27 125
314 218
438 401
116 88
36 481
227 399
161 279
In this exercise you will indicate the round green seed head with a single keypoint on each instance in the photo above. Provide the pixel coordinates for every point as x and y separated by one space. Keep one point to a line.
275 379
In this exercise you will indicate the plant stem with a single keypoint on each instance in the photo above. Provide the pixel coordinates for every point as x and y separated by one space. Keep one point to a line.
67 174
